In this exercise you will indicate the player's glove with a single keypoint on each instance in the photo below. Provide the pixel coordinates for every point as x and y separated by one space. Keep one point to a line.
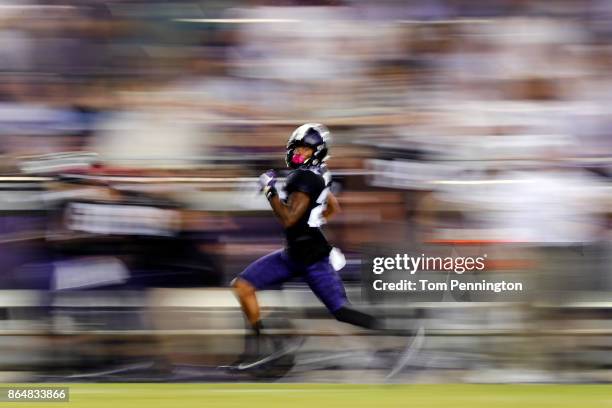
267 182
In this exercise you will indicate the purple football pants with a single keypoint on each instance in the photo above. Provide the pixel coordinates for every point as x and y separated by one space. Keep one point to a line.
277 267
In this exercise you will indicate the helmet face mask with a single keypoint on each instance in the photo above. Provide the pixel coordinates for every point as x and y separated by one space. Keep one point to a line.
313 135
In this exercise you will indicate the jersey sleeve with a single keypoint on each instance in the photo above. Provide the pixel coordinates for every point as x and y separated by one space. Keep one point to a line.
305 181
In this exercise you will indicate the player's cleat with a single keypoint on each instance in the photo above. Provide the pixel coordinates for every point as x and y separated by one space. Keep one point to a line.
414 345
273 365
254 348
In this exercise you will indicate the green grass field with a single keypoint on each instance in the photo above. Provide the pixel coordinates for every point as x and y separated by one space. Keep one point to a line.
329 395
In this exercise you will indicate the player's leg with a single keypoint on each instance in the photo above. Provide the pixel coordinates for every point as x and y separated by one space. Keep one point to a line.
267 271
355 317
245 292
327 285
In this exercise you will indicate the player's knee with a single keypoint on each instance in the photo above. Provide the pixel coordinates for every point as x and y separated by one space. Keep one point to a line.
242 288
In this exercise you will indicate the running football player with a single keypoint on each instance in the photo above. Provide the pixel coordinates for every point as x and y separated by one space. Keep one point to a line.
309 204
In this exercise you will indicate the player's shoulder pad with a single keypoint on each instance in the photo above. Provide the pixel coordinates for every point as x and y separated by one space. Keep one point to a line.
306 181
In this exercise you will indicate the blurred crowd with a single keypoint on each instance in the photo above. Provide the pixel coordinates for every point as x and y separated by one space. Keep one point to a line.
131 133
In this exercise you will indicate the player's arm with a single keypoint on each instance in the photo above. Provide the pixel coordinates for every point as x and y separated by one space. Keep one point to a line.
332 208
290 213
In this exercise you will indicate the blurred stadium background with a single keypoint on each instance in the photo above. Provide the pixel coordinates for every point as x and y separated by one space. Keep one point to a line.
131 134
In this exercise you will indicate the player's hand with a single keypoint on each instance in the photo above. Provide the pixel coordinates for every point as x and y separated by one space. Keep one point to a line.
267 183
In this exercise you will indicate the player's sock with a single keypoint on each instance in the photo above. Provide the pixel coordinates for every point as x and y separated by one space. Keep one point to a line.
349 315
252 344
352 316
258 327
266 343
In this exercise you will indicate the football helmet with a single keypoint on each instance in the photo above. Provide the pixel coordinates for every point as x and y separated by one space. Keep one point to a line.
313 135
